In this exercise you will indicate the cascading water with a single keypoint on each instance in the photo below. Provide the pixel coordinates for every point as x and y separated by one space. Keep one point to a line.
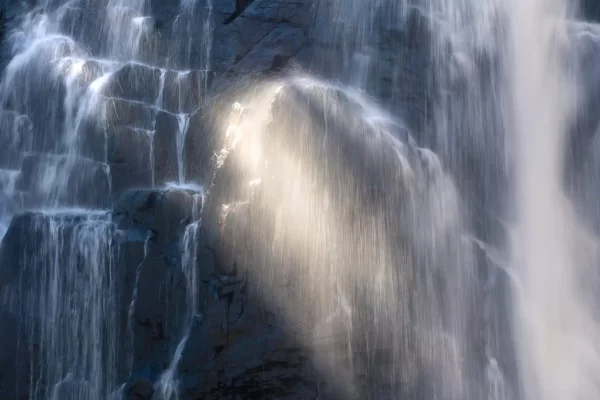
557 328
79 89
424 245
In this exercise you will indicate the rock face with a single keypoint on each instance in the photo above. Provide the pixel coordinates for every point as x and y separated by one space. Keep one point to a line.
590 10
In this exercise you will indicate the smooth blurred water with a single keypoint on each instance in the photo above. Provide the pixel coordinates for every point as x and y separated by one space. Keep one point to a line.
450 258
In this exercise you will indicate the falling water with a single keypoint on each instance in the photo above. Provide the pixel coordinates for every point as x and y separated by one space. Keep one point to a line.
557 328
80 88
167 385
424 245
68 286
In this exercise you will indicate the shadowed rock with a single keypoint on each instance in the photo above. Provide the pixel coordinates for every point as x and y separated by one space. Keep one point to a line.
129 113
130 159
165 149
137 82
76 181
184 90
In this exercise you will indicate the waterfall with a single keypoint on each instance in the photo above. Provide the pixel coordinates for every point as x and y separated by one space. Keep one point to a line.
556 328
167 385
68 287
80 99
350 199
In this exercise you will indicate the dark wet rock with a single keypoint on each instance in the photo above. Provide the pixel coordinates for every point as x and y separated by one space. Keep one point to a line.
590 10
160 295
165 212
184 90
199 148
283 40
163 10
166 148
417 32
140 389
279 63
158 309
77 181
95 130
237 348
279 10
129 113
129 157
237 40
136 82
13 347
21 232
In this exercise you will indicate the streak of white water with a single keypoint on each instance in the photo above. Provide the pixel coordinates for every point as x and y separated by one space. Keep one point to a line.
69 285
557 333
183 121
131 310
168 385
